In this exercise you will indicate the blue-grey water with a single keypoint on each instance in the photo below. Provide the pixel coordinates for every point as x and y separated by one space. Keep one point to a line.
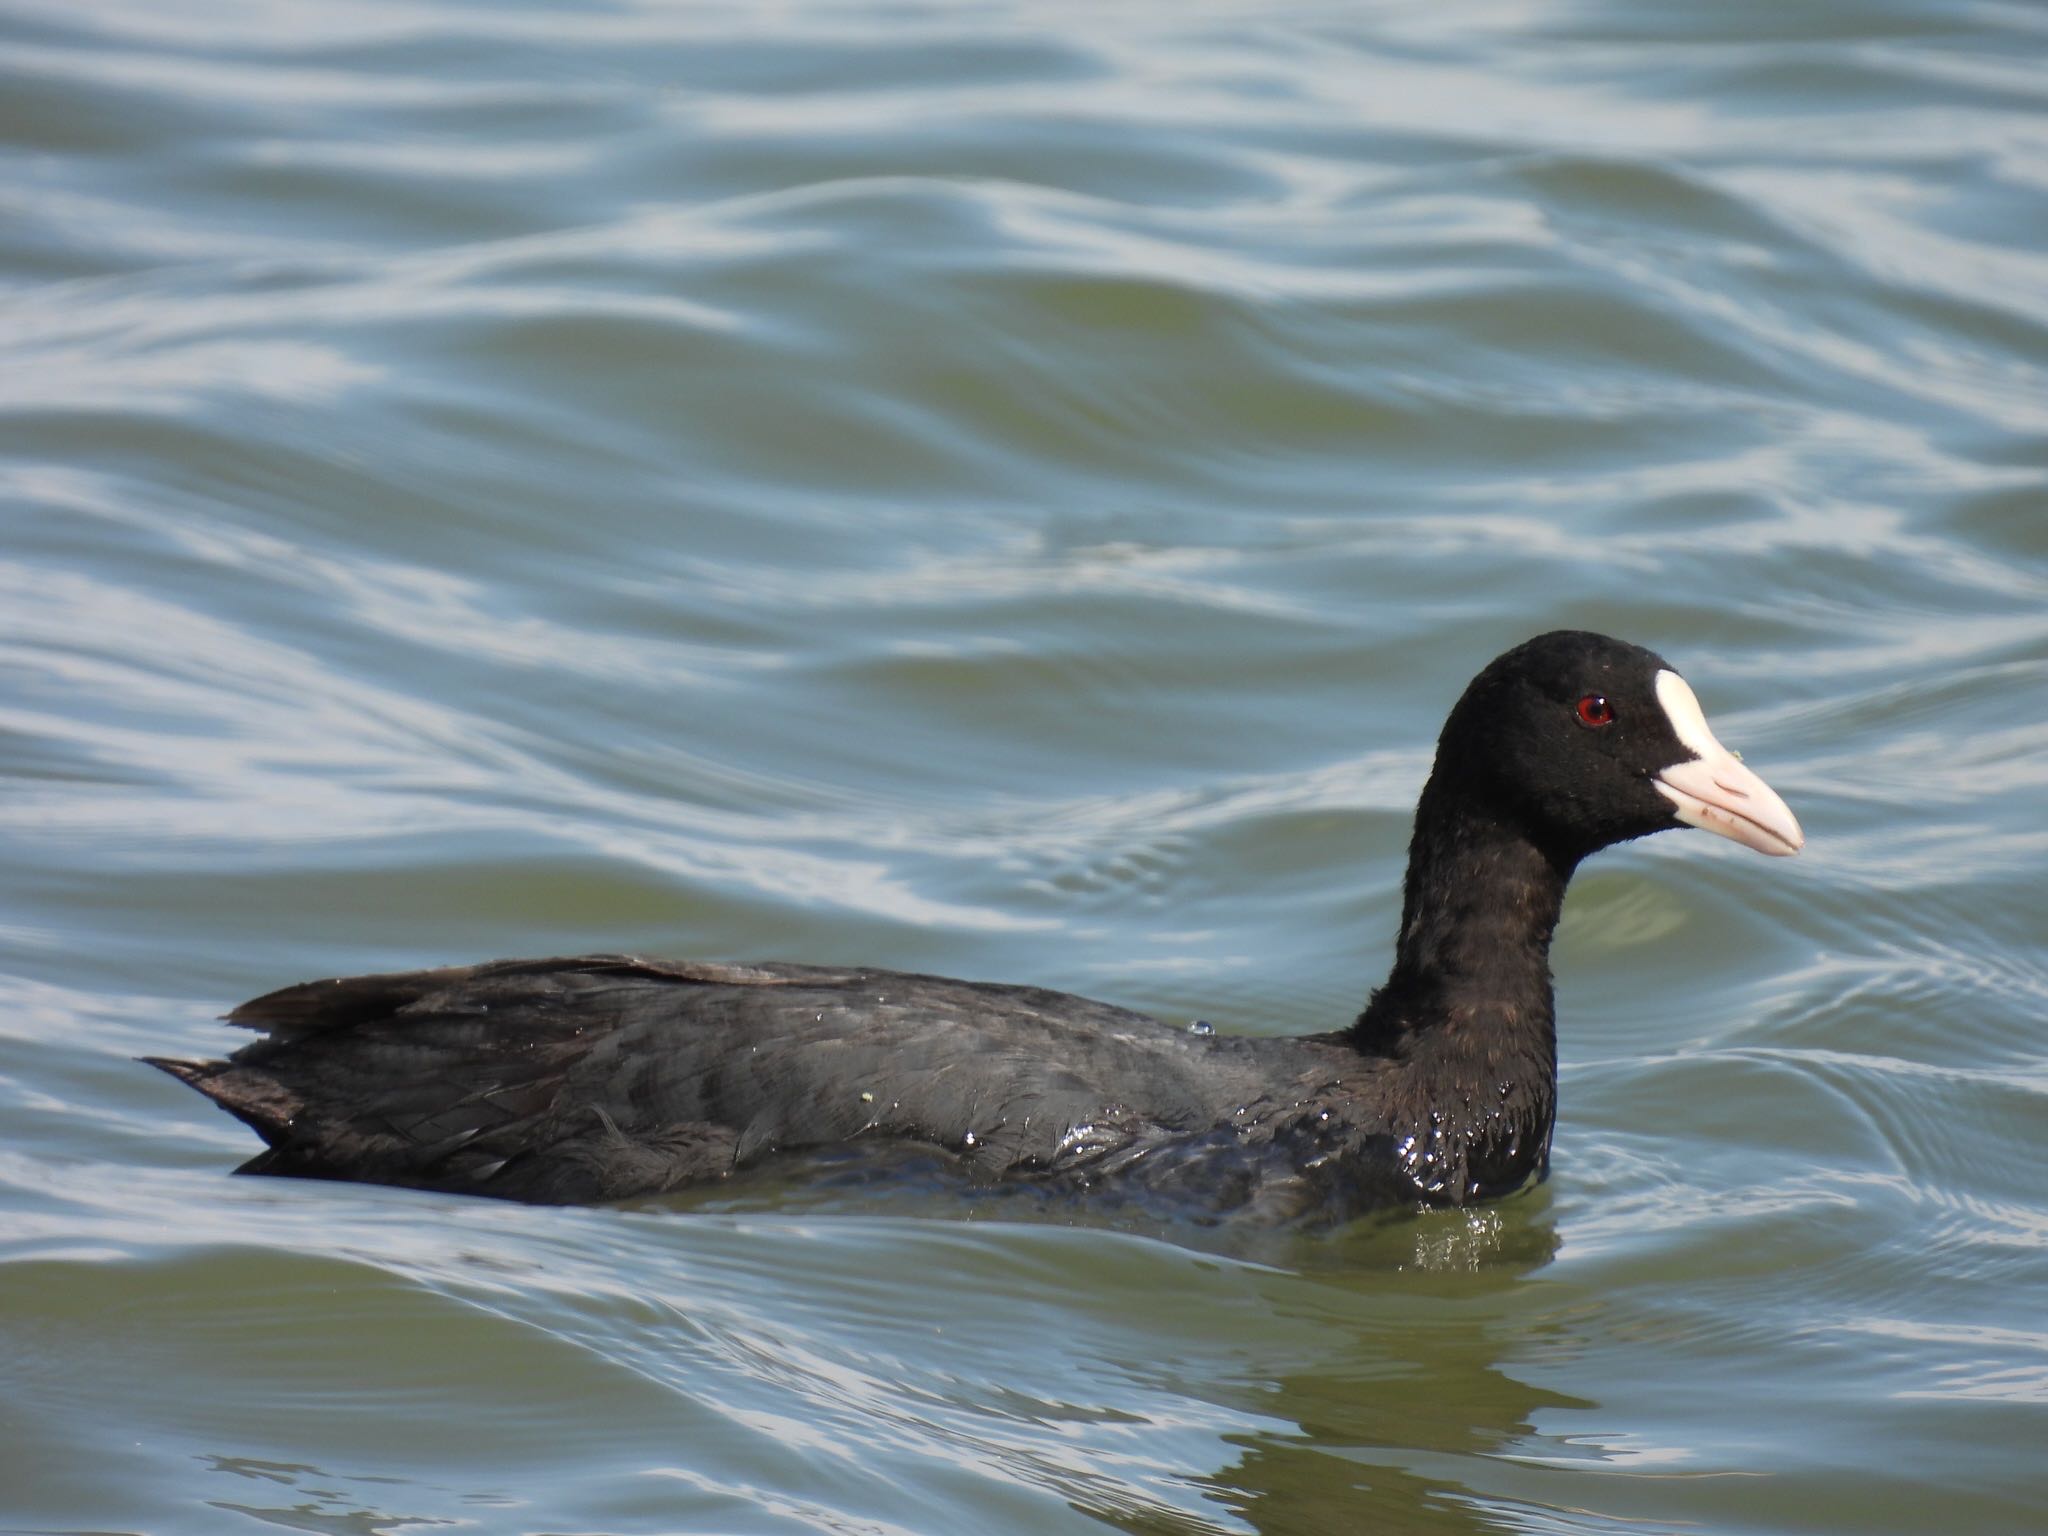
1010 491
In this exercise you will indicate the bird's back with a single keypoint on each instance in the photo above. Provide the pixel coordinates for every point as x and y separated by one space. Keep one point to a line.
604 1077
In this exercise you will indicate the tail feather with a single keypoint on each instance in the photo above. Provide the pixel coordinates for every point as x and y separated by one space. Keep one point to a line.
190 1072
256 1099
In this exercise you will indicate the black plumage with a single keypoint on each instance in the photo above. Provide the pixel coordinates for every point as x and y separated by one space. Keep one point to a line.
611 1076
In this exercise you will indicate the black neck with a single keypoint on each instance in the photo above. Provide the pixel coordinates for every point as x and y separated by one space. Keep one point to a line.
1479 906
1467 1014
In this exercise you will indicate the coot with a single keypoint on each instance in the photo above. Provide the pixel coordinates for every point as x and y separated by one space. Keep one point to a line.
605 1077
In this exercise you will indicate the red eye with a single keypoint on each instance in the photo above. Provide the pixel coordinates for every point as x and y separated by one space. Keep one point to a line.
1594 710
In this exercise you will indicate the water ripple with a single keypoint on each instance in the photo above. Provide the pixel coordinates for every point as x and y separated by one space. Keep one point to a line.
1012 494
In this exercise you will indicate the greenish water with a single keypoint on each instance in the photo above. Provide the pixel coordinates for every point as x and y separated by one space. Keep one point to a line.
1010 492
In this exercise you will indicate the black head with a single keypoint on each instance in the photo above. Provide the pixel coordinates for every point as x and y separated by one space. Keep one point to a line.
1580 741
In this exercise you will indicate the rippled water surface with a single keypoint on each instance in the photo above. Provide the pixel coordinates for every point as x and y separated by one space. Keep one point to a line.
1011 492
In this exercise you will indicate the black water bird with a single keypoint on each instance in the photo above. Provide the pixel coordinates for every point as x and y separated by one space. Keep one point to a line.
611 1076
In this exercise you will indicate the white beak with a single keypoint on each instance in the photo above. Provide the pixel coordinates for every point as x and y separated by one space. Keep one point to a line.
1713 790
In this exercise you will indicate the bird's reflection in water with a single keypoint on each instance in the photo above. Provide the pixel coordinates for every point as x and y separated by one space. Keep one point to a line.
1384 1350
1400 1422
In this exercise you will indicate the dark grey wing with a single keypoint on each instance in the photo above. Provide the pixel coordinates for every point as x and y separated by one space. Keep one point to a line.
602 1077
458 1079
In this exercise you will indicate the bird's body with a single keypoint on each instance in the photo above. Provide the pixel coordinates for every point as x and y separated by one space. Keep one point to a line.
607 1077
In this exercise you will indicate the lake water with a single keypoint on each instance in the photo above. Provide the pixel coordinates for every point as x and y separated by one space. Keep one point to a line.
1011 491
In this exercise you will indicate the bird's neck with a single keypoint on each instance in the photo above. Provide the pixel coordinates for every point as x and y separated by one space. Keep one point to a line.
1467 1010
1479 905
